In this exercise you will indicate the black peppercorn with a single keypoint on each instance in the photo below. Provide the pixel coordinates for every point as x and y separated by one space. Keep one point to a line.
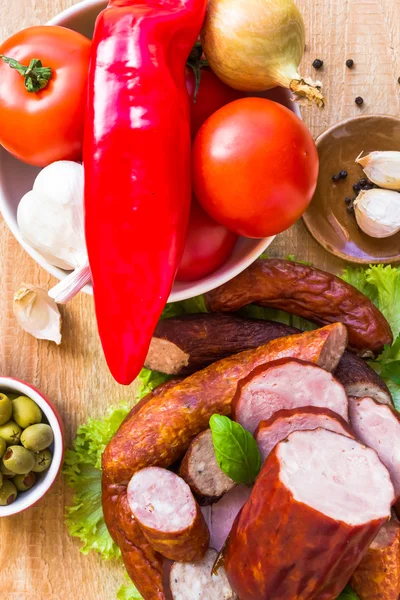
350 63
367 186
363 181
336 178
356 187
348 200
350 209
318 64
359 100
343 174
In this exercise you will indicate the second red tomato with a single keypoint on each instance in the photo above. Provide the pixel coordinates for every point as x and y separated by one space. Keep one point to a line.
255 167
208 246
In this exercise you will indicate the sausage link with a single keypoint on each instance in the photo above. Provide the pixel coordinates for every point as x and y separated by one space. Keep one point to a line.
161 431
183 345
143 564
309 293
303 530
377 577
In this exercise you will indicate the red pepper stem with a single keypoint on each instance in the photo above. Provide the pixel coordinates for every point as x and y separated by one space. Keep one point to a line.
36 76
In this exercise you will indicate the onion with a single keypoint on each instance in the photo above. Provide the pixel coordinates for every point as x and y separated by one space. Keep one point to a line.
255 45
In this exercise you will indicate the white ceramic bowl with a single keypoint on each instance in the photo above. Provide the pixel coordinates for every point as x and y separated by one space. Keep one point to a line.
46 479
17 178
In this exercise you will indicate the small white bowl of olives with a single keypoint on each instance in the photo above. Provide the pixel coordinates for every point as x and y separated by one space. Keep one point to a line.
31 445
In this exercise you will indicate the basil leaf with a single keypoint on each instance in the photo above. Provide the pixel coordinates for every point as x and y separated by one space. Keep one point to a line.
236 450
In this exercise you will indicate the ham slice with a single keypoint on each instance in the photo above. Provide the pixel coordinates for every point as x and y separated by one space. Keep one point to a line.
286 384
283 422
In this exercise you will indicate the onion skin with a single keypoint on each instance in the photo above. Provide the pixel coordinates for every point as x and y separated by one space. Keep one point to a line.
255 45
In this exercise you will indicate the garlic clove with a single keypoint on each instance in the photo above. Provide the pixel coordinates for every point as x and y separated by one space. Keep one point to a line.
378 212
382 168
37 313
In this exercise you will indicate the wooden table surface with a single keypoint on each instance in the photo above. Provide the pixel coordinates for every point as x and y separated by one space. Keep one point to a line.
38 560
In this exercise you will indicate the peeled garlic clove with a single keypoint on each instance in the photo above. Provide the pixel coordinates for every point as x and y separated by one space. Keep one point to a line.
378 212
37 313
382 168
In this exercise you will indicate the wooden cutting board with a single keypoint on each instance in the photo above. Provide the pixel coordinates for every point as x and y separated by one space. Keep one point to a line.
37 558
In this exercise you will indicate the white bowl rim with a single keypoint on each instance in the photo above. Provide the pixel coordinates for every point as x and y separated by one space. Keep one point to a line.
188 289
36 493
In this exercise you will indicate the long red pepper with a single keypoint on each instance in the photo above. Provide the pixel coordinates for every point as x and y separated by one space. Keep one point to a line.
137 168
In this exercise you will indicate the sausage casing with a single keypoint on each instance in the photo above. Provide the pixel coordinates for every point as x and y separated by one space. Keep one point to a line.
309 293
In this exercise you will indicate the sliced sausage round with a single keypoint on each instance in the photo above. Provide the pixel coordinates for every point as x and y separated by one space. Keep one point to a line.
195 581
201 471
283 422
168 514
317 504
378 426
286 384
378 574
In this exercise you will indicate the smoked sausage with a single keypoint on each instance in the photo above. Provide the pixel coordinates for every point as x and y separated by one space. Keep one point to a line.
377 577
201 471
317 504
283 422
284 384
360 380
195 580
167 513
186 344
161 431
309 293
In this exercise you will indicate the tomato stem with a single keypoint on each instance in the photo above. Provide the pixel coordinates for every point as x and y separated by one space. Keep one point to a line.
36 76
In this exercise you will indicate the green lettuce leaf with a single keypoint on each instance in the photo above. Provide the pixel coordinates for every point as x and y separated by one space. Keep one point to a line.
148 381
348 594
357 277
386 280
82 468
382 285
128 591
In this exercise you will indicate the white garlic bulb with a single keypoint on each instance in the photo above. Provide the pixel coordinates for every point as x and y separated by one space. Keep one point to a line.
378 212
382 168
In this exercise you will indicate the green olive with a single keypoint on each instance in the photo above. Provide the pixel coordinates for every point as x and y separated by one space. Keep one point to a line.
1 480
12 395
3 446
11 432
7 474
26 412
8 493
42 461
5 409
37 437
18 459
24 482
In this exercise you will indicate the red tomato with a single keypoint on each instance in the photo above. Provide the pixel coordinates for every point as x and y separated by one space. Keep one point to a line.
44 126
208 246
211 95
255 167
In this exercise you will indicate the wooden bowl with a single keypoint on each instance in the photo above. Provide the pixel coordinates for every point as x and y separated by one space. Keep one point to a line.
327 218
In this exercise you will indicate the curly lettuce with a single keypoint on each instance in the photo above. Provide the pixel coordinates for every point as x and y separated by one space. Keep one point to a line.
382 285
